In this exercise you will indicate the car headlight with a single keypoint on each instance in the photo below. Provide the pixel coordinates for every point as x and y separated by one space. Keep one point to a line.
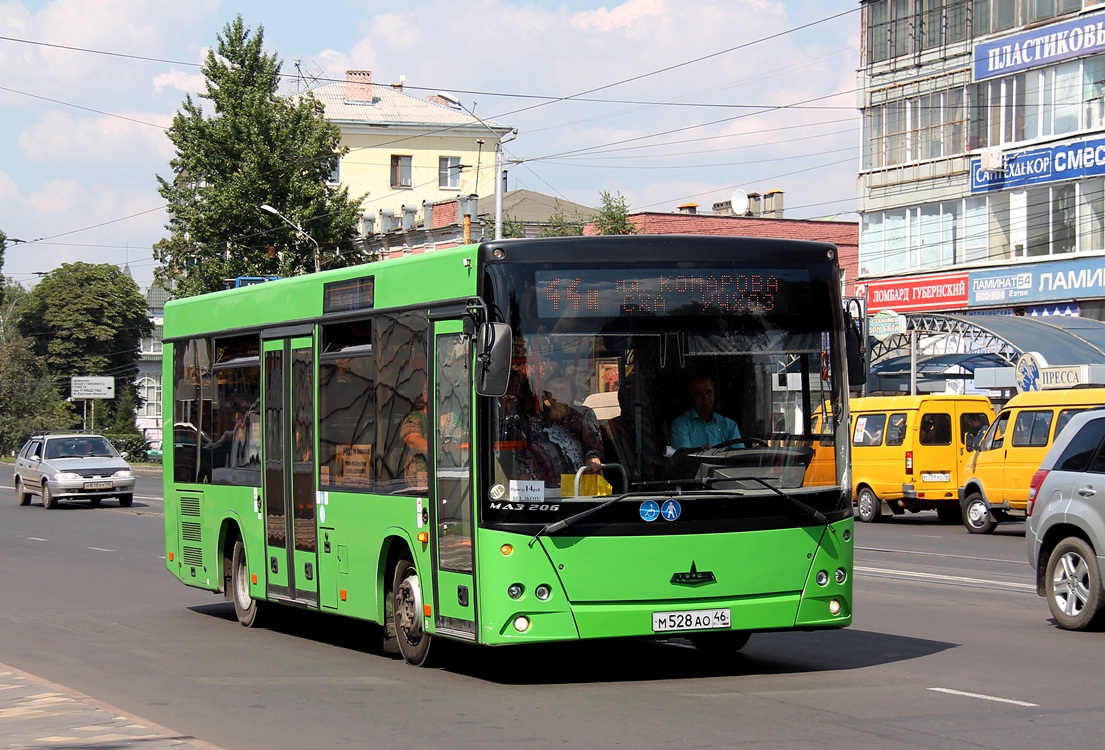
66 476
123 474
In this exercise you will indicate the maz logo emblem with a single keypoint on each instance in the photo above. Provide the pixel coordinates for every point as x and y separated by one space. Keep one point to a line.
694 577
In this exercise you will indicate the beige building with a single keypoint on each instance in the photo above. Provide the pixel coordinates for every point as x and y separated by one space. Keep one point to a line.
406 152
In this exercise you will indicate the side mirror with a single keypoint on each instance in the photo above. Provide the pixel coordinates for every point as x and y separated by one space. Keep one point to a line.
854 349
494 349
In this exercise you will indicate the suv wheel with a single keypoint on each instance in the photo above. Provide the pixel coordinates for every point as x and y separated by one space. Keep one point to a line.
48 499
21 494
976 515
1073 584
868 506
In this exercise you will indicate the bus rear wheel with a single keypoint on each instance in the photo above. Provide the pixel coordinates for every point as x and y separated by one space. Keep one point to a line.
414 642
246 608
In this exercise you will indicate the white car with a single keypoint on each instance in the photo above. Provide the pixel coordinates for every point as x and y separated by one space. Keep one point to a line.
73 466
1066 524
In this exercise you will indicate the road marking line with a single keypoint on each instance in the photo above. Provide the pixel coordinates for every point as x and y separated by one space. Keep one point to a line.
36 539
101 549
980 696
944 579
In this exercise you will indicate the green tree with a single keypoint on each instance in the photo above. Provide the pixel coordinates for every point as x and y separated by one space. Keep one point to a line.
89 319
255 148
613 215
511 227
29 400
560 225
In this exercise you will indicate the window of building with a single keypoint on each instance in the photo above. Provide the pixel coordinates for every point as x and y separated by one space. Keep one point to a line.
335 171
149 393
448 172
1091 218
975 229
878 31
400 171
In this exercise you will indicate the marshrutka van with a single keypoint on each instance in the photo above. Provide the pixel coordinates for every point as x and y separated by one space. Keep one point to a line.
908 452
996 480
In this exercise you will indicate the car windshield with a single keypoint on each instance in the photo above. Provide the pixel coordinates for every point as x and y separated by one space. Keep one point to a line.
79 447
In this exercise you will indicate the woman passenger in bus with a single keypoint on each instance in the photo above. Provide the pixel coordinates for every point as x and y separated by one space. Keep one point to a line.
562 437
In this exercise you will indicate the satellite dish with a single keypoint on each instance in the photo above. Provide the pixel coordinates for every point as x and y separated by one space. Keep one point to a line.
739 202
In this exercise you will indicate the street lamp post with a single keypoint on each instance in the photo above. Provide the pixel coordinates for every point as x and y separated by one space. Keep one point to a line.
298 230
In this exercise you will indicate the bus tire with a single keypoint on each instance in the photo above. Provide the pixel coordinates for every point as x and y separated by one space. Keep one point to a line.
414 642
868 506
976 515
246 608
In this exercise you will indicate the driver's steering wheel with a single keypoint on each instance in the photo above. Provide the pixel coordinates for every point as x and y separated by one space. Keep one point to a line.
747 441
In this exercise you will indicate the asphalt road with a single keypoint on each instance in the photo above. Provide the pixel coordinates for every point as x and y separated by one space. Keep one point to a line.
951 648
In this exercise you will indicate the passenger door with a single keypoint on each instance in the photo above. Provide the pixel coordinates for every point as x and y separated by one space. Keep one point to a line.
288 482
452 516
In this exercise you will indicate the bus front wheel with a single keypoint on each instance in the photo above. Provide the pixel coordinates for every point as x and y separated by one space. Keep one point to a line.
414 642
246 607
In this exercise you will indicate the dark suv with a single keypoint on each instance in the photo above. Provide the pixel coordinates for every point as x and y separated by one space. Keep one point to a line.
1066 523
72 465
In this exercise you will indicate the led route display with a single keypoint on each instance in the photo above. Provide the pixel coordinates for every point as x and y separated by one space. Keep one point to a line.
670 291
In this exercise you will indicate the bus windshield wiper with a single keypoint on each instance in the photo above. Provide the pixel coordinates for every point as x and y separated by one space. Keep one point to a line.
807 509
551 528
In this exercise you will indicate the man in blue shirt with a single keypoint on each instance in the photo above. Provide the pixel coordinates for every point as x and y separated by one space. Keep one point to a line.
700 427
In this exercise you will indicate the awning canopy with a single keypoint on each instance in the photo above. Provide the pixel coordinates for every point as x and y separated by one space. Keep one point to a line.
954 346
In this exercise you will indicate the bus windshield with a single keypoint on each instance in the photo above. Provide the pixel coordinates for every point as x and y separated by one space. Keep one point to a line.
709 383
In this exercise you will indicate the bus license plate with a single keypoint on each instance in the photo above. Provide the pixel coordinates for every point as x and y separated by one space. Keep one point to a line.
935 476
97 485
695 619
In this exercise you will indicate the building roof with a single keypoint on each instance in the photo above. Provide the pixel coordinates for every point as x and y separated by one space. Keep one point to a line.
388 105
528 206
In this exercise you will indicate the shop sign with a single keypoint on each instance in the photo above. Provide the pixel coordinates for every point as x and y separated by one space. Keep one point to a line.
1038 47
1065 161
917 293
1039 282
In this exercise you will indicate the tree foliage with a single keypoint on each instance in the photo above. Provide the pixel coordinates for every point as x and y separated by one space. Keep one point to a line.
512 228
254 148
560 225
89 319
29 400
613 215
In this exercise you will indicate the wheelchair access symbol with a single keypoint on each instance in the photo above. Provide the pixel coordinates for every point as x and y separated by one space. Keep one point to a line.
670 510
650 510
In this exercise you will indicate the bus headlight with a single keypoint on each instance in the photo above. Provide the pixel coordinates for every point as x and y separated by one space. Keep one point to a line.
841 575
834 607
543 592
515 590
822 577
521 623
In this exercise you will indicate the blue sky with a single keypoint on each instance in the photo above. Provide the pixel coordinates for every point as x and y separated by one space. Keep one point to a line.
690 100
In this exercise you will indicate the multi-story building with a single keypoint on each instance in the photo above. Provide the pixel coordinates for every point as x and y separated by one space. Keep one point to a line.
406 153
982 184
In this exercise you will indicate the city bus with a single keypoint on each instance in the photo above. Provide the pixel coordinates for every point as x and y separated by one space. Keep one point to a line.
475 444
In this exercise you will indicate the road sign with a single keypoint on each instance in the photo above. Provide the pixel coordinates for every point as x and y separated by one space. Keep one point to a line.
85 388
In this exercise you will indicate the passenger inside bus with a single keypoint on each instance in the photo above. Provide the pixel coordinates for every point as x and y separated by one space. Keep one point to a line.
562 437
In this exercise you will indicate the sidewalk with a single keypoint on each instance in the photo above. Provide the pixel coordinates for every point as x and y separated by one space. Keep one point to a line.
39 715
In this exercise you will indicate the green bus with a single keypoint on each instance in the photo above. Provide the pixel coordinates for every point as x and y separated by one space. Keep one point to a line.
476 443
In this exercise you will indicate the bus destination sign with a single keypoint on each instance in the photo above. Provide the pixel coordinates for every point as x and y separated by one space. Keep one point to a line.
350 295
617 292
